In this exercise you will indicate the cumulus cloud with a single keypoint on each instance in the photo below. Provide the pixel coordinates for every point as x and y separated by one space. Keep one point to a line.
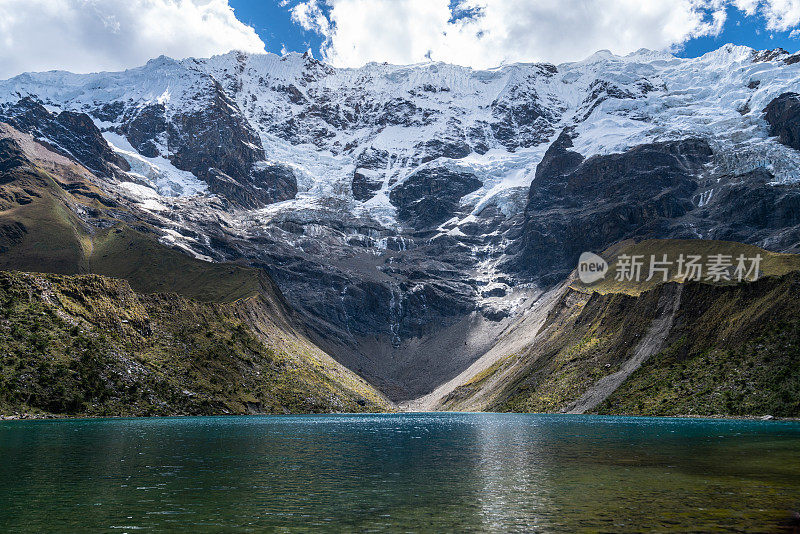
91 35
310 16
486 33
781 15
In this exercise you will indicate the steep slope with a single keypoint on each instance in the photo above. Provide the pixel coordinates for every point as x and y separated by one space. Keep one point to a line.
732 351
55 218
403 209
178 335
656 348
89 345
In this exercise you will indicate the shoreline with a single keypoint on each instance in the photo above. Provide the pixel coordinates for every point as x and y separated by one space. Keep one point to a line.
72 417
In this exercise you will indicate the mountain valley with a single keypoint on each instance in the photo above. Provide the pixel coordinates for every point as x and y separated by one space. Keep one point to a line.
400 237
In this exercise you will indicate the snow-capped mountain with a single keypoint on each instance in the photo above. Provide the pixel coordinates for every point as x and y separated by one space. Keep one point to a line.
405 209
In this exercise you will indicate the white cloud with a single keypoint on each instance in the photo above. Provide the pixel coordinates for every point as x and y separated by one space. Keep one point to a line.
309 16
91 35
408 31
781 15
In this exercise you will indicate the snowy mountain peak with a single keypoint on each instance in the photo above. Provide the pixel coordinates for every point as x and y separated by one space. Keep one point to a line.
389 198
359 133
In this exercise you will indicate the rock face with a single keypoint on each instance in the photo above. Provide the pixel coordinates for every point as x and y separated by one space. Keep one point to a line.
218 146
751 208
146 130
578 205
70 133
11 157
430 196
368 177
214 142
404 210
783 116
276 182
657 190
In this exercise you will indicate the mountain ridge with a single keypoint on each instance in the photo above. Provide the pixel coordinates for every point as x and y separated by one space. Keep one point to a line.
152 330
402 210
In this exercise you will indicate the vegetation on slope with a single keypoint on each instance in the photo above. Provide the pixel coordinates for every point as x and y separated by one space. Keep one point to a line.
733 350
584 338
40 231
179 335
90 345
730 349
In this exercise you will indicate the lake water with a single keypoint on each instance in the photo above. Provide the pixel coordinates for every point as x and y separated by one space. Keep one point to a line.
398 472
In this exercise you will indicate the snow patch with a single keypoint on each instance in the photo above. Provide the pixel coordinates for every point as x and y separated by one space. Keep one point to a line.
159 173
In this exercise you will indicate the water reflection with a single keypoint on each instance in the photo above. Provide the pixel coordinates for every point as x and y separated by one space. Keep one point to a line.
435 472
515 473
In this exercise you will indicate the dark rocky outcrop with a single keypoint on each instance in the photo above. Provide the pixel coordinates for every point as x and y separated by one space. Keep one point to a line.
602 90
430 196
437 148
276 182
365 186
521 123
751 208
522 118
657 190
218 146
214 142
575 205
11 157
70 133
147 130
783 116
368 176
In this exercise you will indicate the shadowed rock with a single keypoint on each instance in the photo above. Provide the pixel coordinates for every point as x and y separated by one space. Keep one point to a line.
69 133
575 205
783 116
431 196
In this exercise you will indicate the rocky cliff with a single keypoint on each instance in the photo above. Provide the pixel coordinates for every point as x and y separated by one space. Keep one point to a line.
650 348
410 214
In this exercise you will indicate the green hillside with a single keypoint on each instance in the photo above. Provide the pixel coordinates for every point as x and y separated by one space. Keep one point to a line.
89 345
160 332
705 348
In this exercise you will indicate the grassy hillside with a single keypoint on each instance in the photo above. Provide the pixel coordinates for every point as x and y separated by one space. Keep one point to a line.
733 350
150 267
584 338
178 335
90 345
38 228
40 231
707 349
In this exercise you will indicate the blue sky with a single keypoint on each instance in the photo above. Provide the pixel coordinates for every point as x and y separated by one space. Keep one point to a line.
741 29
273 23
81 36
272 20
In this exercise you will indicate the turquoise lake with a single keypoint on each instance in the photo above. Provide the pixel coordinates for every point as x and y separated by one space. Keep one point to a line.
398 473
